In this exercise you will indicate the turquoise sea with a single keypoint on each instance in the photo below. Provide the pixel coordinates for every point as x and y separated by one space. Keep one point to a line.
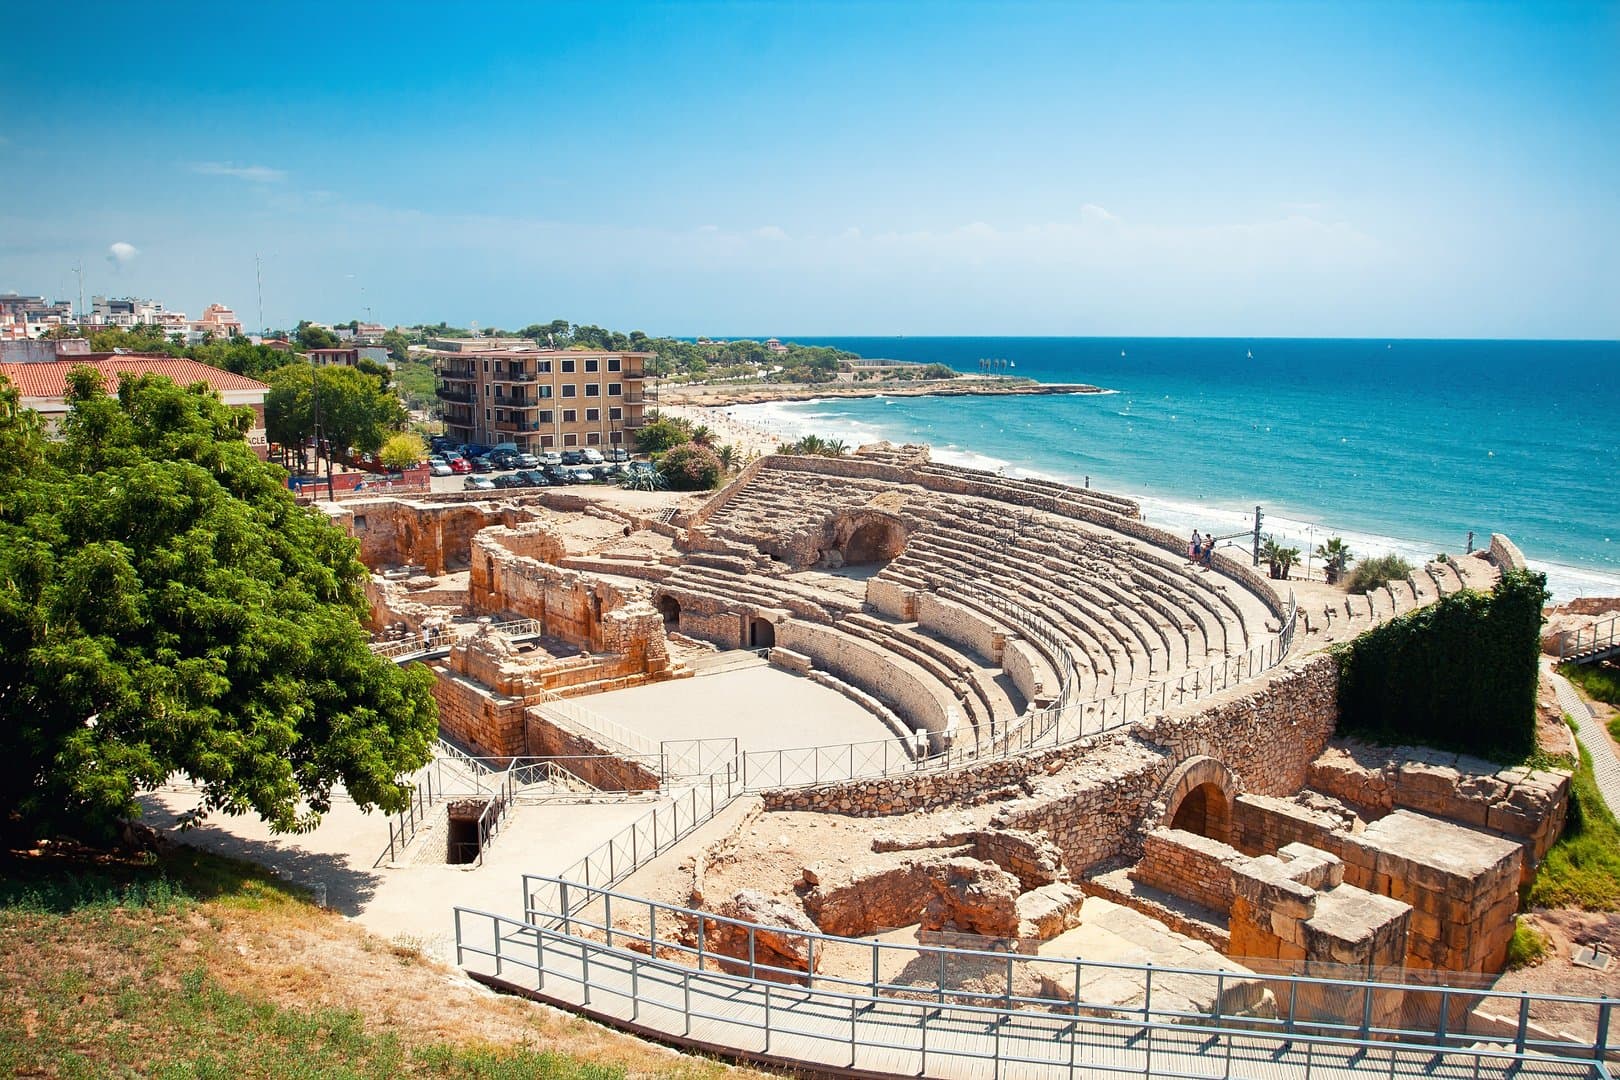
1395 445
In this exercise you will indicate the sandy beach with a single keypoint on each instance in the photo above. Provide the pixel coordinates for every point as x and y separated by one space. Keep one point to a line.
747 438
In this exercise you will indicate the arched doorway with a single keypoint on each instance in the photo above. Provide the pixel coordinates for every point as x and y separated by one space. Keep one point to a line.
1198 798
874 540
761 633
1206 812
670 609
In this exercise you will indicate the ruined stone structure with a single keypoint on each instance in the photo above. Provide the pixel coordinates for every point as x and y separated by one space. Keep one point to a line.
960 607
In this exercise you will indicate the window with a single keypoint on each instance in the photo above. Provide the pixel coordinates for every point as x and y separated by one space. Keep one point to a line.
498 367
500 414
569 389
616 437
545 391
593 389
594 438
486 389
615 389
569 416
570 439
591 365
593 415
546 416
486 414
486 367
615 413
548 440
613 363
567 367
359 523
543 367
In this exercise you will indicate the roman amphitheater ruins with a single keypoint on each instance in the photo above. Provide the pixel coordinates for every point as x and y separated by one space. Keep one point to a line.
897 736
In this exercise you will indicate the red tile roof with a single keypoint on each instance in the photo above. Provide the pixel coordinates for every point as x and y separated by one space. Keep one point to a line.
48 379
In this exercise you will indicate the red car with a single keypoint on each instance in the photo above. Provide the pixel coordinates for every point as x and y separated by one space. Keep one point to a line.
460 465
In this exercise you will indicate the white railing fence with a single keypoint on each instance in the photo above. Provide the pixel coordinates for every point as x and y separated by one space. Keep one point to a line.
653 963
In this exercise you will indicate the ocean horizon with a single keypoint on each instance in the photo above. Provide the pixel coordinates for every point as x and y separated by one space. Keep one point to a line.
1397 445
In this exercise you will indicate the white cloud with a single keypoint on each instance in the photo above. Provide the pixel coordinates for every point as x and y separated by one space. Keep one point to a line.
771 232
121 253
258 174
1091 213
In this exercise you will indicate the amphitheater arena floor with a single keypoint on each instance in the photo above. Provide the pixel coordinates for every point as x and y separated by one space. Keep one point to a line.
766 708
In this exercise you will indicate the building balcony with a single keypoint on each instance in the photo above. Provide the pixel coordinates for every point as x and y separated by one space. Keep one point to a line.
516 425
634 397
456 370
452 392
514 376
633 376
514 402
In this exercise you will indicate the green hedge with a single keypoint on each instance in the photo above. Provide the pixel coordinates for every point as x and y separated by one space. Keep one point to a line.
1459 674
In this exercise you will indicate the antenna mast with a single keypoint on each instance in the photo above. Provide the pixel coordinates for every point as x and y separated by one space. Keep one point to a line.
78 270
258 276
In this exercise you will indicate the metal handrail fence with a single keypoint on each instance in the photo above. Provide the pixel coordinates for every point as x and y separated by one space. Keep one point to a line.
634 741
1590 641
438 640
403 826
495 813
649 836
590 929
1057 725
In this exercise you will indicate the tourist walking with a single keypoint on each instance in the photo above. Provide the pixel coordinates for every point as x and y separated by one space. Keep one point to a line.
1193 548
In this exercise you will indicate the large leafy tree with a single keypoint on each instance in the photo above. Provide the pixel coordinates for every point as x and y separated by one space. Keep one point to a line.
166 607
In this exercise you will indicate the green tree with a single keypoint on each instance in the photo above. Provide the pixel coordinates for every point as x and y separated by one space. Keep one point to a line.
310 336
1335 555
165 606
690 467
403 450
660 433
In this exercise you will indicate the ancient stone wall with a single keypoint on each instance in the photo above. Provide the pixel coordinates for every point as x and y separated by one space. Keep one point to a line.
488 725
1504 554
891 598
400 532
1527 803
884 675
957 624
1030 672
594 762
1190 866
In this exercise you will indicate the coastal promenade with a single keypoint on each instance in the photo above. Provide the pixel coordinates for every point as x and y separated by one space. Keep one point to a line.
1605 766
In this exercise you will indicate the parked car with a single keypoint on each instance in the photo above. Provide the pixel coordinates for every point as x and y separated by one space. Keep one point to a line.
482 465
474 450
460 465
592 456
583 475
503 459
509 480
528 461
479 483
532 477
618 453
440 443
550 457
439 468
573 457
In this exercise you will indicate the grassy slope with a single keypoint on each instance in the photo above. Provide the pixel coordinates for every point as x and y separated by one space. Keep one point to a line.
196 966
1583 868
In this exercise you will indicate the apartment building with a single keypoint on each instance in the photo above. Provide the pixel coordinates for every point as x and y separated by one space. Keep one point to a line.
540 399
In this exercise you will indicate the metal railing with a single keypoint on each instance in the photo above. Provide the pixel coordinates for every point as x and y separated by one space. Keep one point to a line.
1056 725
611 731
1590 642
495 813
439 638
662 965
403 826
644 839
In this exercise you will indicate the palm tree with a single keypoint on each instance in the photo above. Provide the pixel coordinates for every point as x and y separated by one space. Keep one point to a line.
728 456
1279 560
703 435
1335 555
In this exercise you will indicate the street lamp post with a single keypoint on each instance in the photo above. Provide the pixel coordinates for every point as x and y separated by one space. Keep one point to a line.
315 397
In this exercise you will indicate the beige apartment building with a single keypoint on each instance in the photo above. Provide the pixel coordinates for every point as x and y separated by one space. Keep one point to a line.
541 399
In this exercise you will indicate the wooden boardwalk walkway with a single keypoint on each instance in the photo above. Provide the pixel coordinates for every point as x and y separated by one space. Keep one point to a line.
793 1026
1588 730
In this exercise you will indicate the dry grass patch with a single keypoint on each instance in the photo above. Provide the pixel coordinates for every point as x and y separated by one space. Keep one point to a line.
188 965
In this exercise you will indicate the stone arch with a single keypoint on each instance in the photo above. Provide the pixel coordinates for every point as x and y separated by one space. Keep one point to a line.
761 633
670 609
1198 798
864 537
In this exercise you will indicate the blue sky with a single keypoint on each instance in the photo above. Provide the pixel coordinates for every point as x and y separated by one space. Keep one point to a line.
1424 170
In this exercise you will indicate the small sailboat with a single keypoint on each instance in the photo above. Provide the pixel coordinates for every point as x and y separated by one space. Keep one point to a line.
1251 354
1122 352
